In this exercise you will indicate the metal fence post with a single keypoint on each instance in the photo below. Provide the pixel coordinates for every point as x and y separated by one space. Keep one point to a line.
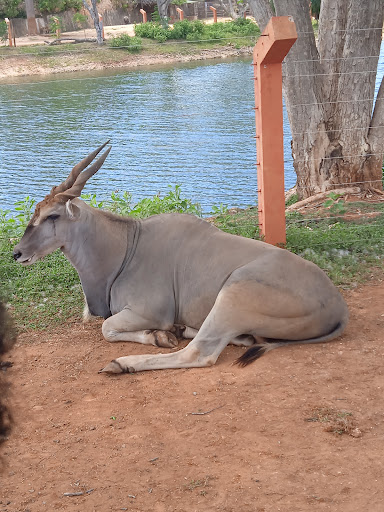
269 52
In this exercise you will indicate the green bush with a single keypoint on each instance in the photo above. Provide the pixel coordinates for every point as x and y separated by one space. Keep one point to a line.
55 24
181 29
80 20
244 27
197 30
122 204
152 30
3 31
12 9
49 292
132 44
54 6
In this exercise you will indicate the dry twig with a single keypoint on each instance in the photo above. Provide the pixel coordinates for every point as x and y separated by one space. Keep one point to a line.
203 413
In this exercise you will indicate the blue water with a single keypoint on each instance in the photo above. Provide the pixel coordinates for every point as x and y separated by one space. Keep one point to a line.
188 124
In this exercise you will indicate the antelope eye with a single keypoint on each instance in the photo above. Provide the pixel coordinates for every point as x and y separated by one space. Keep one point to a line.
54 216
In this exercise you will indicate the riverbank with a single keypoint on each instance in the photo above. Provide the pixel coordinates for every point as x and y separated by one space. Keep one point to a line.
87 59
34 56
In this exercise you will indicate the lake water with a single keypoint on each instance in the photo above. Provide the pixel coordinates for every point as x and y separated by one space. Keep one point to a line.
191 125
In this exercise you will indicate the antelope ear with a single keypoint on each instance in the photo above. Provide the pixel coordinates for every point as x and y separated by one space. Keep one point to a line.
72 210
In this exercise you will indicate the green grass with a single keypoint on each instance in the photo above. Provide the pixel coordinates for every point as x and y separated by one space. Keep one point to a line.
186 38
197 31
347 250
45 294
48 293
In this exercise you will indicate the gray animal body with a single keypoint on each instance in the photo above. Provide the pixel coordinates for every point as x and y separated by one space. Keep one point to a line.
175 274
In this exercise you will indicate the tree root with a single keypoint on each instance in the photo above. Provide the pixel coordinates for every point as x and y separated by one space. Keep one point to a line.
322 196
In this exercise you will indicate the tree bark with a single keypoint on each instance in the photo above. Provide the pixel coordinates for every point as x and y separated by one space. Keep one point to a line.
234 9
162 6
337 136
31 18
92 9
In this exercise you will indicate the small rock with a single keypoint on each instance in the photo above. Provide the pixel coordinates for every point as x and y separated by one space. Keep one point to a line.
356 432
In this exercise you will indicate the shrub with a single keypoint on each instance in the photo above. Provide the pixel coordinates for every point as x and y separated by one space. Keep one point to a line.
3 31
152 30
181 29
132 44
244 27
54 6
122 204
80 20
11 9
196 30
55 24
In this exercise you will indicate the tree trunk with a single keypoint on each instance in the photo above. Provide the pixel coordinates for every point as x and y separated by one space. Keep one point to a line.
162 6
31 18
234 9
92 9
329 91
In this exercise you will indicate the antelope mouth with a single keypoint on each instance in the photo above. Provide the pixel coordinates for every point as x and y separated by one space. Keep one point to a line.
29 261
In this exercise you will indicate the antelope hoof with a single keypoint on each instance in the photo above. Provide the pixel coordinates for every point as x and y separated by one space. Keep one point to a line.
165 339
115 367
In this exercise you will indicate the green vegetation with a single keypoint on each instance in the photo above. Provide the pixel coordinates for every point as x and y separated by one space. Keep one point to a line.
54 6
16 8
121 204
12 9
347 245
80 20
55 24
131 44
49 292
197 30
185 38
3 31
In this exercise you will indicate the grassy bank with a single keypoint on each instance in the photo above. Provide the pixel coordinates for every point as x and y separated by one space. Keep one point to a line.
185 41
345 239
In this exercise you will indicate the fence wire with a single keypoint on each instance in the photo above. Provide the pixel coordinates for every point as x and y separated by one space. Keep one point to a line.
291 222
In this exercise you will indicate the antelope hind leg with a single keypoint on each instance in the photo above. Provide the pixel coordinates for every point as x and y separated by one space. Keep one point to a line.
213 336
219 329
129 326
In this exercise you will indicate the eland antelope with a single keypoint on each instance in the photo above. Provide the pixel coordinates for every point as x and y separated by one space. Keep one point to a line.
175 275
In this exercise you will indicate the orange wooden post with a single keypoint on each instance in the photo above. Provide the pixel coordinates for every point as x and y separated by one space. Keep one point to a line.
214 10
269 52
181 13
9 31
144 13
102 25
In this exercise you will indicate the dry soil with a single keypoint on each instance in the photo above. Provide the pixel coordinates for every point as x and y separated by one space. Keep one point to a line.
301 429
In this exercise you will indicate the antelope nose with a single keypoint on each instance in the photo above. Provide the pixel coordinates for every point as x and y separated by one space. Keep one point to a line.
16 255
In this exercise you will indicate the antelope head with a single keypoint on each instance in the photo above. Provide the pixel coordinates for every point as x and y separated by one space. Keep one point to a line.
48 228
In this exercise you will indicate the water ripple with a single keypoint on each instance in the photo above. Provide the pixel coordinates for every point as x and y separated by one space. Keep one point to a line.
191 125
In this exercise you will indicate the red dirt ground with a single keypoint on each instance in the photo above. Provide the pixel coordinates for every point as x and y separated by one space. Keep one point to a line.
133 443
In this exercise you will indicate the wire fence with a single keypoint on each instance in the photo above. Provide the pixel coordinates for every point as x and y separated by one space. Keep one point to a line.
328 220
